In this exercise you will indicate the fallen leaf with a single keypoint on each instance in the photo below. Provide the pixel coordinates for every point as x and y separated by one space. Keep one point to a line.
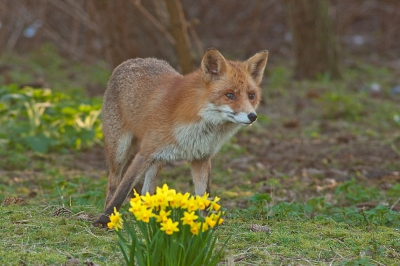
14 201
260 228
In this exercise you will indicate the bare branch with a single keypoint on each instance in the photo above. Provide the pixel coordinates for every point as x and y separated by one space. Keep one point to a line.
76 13
16 33
153 20
195 37
64 44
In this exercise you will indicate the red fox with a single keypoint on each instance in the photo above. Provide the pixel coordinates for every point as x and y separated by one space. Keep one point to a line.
153 115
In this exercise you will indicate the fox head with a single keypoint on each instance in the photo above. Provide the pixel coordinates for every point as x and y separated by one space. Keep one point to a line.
233 87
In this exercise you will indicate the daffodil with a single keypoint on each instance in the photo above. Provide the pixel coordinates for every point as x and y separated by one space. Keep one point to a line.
189 218
210 222
163 216
148 200
175 202
174 214
136 197
217 218
115 220
135 206
166 191
169 227
193 204
144 214
203 201
160 200
185 200
204 227
214 205
195 227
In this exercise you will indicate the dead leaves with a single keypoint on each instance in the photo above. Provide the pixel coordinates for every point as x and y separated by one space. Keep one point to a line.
14 201
260 228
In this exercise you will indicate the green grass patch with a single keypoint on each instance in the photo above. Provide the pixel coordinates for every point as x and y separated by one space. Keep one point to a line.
34 235
45 65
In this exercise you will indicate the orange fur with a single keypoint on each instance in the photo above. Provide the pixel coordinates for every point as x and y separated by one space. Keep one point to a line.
152 115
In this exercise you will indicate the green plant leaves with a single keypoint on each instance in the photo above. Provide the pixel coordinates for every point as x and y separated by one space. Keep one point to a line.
44 121
38 143
338 105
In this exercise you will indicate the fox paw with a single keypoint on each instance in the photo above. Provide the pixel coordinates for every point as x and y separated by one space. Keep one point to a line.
102 221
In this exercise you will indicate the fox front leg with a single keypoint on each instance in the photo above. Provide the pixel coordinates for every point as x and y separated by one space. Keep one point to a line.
135 171
149 184
201 173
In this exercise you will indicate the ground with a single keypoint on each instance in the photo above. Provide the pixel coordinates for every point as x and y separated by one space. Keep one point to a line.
314 181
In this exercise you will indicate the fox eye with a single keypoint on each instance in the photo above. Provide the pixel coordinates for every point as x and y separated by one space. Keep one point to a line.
252 96
230 96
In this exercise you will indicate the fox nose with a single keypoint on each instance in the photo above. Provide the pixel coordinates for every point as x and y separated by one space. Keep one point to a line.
252 117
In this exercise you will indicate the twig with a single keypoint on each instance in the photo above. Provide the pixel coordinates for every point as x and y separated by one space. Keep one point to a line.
78 213
15 34
378 262
90 232
336 252
75 13
153 20
195 37
57 38
395 203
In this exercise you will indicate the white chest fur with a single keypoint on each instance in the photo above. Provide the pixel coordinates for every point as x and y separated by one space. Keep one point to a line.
196 141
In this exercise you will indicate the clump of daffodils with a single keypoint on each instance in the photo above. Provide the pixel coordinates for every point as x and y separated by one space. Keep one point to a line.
170 224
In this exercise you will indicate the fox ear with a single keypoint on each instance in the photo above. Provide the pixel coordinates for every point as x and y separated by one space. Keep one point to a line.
213 65
256 65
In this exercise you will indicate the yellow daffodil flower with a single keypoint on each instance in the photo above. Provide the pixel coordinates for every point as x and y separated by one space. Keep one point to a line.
162 190
200 202
166 191
214 205
115 220
135 206
185 200
210 222
160 200
217 218
144 214
194 228
175 202
193 204
169 227
163 216
204 227
136 197
148 200
203 201
189 218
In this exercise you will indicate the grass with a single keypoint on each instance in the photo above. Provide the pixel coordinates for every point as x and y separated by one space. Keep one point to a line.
295 193
33 235
298 241
51 234
45 65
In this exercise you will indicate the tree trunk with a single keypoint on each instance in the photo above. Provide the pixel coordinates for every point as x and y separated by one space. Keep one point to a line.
314 39
180 33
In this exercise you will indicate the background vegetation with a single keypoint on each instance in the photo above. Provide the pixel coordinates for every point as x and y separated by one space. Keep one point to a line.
314 181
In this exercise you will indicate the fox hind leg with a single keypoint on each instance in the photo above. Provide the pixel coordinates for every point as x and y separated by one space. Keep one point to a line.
119 156
137 168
